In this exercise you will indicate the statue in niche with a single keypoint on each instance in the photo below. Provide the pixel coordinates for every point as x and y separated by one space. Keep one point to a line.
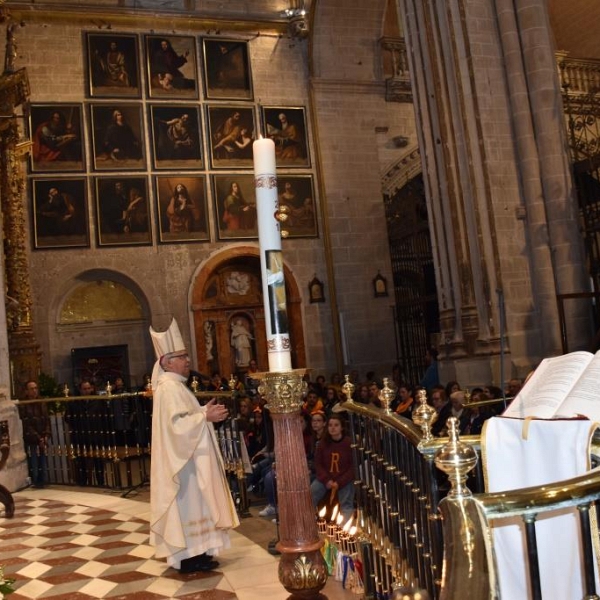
209 340
241 341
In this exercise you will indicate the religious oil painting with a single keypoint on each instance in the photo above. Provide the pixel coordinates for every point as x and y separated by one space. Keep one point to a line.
286 126
176 140
232 129
182 209
227 74
171 63
235 206
122 211
113 65
60 216
297 198
56 131
117 137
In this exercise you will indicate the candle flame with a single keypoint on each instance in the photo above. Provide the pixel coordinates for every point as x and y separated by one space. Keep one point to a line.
353 530
339 520
322 512
347 525
335 512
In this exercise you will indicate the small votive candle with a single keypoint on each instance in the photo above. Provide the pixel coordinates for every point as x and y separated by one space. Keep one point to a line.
338 527
345 536
321 522
352 541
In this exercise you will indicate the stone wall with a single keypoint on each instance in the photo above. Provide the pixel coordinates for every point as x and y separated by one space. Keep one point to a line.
162 272
348 189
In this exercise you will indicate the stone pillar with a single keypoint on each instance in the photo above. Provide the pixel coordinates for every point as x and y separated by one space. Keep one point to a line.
499 216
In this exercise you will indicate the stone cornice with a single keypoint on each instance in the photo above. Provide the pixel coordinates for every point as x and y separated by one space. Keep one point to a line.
115 17
348 86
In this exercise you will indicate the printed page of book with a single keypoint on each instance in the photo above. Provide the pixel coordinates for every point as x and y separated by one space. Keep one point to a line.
584 398
543 395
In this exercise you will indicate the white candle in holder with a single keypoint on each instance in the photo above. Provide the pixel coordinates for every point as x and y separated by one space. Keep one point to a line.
271 258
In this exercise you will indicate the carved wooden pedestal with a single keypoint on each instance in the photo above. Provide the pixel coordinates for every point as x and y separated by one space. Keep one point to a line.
302 570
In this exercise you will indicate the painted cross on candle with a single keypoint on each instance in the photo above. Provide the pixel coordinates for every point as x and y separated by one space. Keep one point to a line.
271 258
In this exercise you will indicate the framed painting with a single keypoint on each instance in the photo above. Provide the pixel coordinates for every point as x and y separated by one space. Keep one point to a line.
117 137
182 209
235 206
59 211
171 66
122 211
231 131
227 73
176 141
286 126
113 65
296 194
56 131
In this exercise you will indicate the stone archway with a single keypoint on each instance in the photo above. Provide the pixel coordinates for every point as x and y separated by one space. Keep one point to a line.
226 289
100 308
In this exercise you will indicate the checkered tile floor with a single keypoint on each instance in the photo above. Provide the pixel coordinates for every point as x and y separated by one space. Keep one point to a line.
66 551
64 544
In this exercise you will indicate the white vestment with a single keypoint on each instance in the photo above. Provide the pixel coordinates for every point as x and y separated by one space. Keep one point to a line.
191 505
518 455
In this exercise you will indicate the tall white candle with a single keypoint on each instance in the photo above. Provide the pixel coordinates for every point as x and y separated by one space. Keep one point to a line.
271 258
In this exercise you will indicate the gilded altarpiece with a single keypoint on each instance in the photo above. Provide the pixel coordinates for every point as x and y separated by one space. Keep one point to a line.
23 350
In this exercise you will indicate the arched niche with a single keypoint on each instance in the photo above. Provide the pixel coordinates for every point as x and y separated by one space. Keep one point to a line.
99 309
225 288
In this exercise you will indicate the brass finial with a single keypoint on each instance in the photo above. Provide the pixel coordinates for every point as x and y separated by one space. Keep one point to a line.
386 395
348 389
424 416
232 382
456 459
467 396
66 391
194 384
109 388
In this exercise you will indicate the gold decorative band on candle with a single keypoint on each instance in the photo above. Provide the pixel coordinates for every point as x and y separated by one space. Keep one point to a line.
265 182
279 342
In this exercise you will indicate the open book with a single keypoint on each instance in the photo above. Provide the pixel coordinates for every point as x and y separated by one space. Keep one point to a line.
563 386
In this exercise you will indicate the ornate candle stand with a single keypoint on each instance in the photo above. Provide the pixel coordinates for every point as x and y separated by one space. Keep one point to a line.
302 570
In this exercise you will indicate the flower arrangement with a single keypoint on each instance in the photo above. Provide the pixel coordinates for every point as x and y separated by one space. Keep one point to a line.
6 586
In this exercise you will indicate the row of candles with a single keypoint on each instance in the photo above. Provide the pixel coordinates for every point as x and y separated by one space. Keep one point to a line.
341 535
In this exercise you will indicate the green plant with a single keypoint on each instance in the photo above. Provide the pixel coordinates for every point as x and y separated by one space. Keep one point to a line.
6 585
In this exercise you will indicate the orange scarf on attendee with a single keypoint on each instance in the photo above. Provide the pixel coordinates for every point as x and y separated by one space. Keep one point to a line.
404 406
